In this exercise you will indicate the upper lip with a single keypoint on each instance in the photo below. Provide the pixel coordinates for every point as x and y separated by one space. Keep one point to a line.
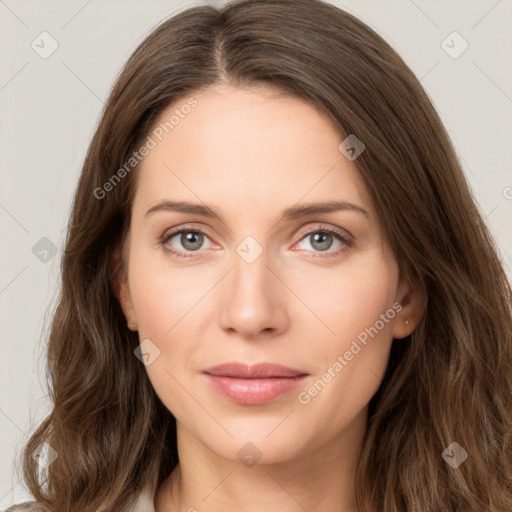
245 371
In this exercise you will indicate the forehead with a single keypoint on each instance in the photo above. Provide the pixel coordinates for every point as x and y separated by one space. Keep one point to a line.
247 148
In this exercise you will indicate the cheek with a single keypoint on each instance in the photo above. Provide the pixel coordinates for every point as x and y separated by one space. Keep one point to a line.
163 294
171 307
368 292
346 301
167 304
351 362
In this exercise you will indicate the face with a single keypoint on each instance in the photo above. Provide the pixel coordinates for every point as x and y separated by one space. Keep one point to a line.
259 279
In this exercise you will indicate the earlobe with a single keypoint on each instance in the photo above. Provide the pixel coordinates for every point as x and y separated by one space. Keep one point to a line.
402 327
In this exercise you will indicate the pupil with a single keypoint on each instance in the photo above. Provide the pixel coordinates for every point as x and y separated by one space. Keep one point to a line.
324 239
191 240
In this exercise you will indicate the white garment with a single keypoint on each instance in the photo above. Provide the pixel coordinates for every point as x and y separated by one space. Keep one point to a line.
144 503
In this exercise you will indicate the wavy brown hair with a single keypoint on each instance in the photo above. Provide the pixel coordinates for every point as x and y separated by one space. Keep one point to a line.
450 381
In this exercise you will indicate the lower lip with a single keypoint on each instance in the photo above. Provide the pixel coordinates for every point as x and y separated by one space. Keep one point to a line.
253 391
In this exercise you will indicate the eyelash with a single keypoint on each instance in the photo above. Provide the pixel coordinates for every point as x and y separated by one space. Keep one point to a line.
303 234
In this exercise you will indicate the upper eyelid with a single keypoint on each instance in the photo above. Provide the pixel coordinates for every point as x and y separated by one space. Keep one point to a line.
329 228
175 231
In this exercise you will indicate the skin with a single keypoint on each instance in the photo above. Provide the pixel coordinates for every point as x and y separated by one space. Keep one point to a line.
249 153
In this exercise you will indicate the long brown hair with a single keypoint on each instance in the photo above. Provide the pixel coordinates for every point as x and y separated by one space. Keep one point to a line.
450 381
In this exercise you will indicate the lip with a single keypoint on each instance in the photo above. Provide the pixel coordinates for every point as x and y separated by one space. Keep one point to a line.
253 384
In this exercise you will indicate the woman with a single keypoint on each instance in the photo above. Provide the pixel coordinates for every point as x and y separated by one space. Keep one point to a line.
277 291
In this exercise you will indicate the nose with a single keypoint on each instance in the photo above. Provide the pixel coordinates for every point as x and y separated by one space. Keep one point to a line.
253 300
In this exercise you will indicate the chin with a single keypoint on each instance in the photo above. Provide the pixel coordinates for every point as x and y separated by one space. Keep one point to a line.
251 446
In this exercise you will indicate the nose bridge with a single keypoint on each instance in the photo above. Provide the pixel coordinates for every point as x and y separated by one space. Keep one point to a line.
252 302
250 277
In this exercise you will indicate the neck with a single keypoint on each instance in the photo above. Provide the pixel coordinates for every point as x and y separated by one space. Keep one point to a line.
320 478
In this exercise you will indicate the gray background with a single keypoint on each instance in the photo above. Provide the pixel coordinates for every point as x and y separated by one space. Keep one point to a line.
50 107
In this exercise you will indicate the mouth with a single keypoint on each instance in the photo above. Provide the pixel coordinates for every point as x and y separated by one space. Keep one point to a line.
253 385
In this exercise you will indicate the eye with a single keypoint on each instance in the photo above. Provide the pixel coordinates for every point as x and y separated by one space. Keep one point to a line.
322 239
184 242
190 240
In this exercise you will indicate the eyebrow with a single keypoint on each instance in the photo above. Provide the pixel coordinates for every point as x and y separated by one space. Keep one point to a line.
293 212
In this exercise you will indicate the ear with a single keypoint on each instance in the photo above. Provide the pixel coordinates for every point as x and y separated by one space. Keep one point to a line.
413 299
121 288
